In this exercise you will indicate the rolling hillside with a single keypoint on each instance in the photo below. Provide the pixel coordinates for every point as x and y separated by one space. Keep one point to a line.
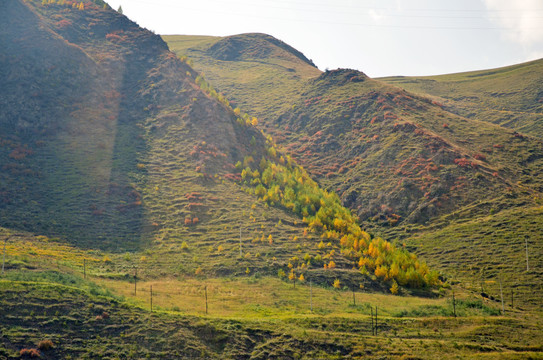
511 96
408 164
144 214
385 151
145 155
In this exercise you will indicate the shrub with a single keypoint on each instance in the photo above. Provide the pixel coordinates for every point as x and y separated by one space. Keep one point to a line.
33 353
45 345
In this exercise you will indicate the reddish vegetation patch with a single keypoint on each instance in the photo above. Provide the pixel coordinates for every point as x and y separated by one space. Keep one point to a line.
463 162
233 177
45 345
116 37
194 196
390 116
193 206
20 153
33 353
63 23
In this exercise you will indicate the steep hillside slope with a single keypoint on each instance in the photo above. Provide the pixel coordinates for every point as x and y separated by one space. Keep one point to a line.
88 100
394 156
511 96
148 156
262 67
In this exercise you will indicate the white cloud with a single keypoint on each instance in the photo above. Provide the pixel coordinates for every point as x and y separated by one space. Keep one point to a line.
520 19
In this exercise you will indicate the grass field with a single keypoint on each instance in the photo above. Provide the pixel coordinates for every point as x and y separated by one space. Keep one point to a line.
272 315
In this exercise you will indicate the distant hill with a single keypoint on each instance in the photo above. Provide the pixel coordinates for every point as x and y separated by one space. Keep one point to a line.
511 96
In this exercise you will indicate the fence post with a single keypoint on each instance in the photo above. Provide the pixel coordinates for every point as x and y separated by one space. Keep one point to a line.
454 304
4 259
372 327
376 326
311 295
135 280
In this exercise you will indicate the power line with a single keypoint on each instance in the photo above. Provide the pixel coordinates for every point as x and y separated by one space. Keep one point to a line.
367 25
328 7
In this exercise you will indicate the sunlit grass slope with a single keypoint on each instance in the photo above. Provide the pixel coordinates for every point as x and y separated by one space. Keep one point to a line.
511 96
255 316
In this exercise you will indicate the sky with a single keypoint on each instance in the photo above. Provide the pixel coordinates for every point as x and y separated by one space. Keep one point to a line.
377 37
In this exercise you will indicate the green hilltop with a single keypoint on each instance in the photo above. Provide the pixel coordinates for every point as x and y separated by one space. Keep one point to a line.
511 96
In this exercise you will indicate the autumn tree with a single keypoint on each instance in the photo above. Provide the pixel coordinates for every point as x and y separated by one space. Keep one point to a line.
394 288
292 277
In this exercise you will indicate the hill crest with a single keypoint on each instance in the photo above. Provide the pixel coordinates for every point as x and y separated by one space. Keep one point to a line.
251 46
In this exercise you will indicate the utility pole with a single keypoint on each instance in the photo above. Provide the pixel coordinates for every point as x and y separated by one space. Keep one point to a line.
4 259
151 298
205 289
527 263
354 298
84 268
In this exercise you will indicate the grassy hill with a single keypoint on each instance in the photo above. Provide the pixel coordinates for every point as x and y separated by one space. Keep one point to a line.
511 96
127 179
385 151
410 166
150 157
